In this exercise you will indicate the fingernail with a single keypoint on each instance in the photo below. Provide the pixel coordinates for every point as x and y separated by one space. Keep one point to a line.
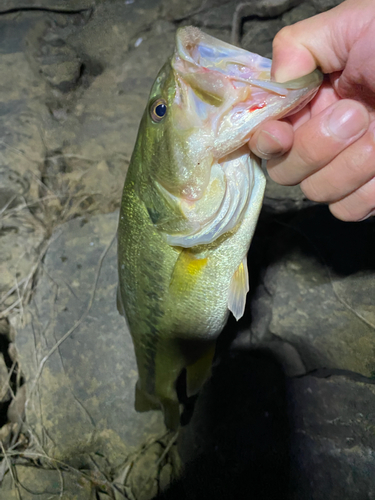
267 144
371 214
347 120
286 74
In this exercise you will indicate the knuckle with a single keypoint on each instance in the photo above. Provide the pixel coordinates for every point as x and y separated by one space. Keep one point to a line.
365 157
357 205
278 173
312 189
308 151
342 212
282 37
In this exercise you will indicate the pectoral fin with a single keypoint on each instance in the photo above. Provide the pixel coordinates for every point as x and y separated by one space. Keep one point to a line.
199 372
239 287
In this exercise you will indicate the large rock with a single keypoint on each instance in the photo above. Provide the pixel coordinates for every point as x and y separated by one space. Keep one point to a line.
253 429
64 153
21 155
52 5
43 484
333 439
76 352
317 289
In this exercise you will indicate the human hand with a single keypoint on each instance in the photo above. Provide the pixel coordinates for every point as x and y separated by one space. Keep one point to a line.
329 146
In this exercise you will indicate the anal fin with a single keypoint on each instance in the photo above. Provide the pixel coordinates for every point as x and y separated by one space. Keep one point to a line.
199 372
239 286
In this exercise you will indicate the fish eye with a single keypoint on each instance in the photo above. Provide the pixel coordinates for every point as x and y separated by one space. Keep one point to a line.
158 110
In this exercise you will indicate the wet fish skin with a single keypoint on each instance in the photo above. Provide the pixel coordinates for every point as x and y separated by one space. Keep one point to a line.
191 200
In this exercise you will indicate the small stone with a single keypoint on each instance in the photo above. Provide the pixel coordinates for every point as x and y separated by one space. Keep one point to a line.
12 351
6 432
144 474
63 75
4 327
165 477
5 393
16 409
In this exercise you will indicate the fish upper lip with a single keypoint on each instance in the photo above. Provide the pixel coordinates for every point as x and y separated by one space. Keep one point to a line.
185 61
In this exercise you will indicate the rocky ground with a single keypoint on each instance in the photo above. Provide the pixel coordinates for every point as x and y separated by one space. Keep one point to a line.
290 409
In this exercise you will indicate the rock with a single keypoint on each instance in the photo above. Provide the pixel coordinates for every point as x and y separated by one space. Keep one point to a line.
91 131
250 17
61 5
80 395
317 291
61 67
285 354
113 28
107 117
217 17
21 239
323 5
42 484
285 438
16 410
144 474
258 36
302 11
6 432
4 382
174 10
166 475
237 438
21 154
263 8
268 8
13 188
22 109
333 439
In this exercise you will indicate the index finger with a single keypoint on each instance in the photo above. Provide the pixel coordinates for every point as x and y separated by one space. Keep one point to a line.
318 141
321 41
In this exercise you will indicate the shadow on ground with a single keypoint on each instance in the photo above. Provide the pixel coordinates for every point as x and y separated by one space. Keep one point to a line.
238 439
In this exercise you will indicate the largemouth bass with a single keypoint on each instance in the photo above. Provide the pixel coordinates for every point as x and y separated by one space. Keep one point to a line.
191 200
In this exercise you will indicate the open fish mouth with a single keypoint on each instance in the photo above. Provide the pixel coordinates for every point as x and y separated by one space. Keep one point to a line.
231 88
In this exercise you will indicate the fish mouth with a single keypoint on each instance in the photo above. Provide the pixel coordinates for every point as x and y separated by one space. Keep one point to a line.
197 51
232 88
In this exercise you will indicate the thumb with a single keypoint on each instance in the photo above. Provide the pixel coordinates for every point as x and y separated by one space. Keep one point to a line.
321 41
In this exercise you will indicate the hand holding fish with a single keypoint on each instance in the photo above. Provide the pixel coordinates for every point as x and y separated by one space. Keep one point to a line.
329 146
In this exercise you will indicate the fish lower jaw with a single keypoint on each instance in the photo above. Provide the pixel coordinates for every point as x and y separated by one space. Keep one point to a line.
234 179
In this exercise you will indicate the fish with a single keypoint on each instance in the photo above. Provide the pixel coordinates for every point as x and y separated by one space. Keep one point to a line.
190 204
